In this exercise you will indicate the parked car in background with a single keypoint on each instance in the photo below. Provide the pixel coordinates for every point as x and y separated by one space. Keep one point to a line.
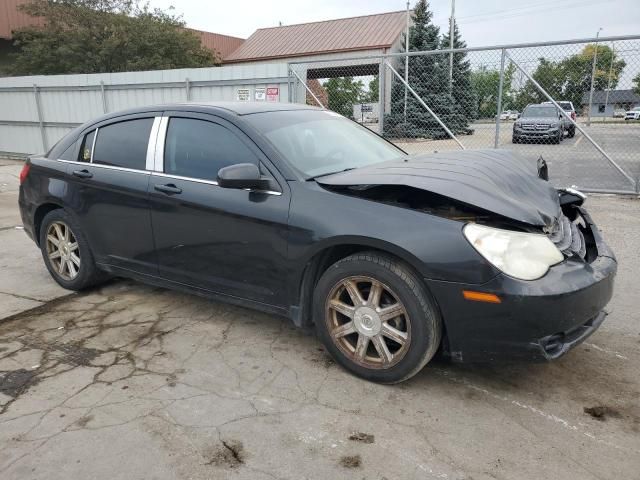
514 115
619 113
300 212
569 127
633 114
505 115
539 122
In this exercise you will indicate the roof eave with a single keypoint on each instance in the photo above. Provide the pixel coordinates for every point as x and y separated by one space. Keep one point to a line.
308 54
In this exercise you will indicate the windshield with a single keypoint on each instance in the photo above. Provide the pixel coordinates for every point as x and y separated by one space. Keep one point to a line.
317 142
538 111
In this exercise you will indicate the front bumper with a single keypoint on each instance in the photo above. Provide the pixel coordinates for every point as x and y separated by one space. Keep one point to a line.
536 320
536 134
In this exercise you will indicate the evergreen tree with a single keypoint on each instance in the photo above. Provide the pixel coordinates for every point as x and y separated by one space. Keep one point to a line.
462 88
428 76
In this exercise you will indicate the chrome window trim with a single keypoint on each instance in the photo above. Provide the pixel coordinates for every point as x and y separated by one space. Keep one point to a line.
109 167
93 144
213 182
151 144
161 137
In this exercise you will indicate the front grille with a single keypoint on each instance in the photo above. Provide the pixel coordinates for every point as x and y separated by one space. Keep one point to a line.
535 126
566 235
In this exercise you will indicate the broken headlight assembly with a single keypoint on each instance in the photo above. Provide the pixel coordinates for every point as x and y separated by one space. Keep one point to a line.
526 256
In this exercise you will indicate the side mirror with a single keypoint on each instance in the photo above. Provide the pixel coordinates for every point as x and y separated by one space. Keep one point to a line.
242 175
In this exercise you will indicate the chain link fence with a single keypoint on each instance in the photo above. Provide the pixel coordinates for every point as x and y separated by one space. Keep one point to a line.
571 103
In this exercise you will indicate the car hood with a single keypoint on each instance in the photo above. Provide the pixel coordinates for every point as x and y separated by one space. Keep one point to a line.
497 181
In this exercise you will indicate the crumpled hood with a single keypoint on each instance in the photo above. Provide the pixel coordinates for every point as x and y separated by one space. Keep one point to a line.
499 181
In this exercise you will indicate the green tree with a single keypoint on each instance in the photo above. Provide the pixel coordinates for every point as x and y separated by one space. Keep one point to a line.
570 79
373 93
486 83
428 76
462 88
92 36
342 93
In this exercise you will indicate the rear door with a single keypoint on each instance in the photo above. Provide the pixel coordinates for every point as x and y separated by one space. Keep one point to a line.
228 241
108 191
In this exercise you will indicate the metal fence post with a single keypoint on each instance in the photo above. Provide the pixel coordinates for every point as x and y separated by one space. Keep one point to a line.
304 84
381 96
187 89
43 135
499 107
104 97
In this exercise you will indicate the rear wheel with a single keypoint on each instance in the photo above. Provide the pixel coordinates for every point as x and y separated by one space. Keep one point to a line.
572 132
66 252
376 318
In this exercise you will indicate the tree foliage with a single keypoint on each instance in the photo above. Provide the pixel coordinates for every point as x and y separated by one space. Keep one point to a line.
636 84
486 84
92 36
343 93
570 78
429 77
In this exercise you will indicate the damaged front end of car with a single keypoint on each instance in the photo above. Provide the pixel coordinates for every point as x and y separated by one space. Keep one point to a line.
556 271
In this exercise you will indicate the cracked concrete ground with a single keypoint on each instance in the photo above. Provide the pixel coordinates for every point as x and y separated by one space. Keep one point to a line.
134 382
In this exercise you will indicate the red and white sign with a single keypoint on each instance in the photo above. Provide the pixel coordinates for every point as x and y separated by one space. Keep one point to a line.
273 94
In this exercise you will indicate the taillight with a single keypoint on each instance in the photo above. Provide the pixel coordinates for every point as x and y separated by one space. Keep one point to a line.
24 172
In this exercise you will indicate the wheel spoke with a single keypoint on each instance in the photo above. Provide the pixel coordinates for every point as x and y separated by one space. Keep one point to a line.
374 294
394 334
54 255
53 240
382 349
343 308
59 233
66 233
343 330
71 268
61 266
391 312
73 246
354 292
75 259
361 347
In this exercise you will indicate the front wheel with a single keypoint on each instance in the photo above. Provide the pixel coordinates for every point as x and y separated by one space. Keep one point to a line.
572 132
66 252
376 318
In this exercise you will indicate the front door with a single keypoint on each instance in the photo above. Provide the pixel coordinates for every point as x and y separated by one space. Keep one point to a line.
228 241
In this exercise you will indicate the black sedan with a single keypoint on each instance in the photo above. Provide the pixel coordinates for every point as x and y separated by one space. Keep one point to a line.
300 212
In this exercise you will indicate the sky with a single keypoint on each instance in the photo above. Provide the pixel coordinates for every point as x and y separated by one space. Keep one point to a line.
482 22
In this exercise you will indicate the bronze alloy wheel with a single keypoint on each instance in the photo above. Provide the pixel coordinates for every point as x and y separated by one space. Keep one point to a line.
63 251
368 322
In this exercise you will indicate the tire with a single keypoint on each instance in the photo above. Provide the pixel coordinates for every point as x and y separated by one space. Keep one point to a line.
558 139
415 322
572 132
78 255
515 139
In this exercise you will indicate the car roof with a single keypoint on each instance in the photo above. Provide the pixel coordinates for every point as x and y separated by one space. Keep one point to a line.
228 108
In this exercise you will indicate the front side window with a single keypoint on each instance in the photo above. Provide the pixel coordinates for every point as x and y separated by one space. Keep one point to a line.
86 148
123 144
198 149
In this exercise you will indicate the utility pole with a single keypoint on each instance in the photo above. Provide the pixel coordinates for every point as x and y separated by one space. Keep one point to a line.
606 98
406 64
451 28
593 76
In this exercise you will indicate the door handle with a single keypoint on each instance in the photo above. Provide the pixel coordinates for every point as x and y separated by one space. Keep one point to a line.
82 173
169 189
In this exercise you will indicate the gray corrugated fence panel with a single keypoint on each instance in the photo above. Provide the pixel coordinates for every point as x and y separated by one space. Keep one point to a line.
68 100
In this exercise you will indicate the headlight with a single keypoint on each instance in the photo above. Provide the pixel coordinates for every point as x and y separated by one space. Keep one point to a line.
526 256
555 125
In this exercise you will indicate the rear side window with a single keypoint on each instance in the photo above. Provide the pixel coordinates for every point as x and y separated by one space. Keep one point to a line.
123 144
198 149
86 148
